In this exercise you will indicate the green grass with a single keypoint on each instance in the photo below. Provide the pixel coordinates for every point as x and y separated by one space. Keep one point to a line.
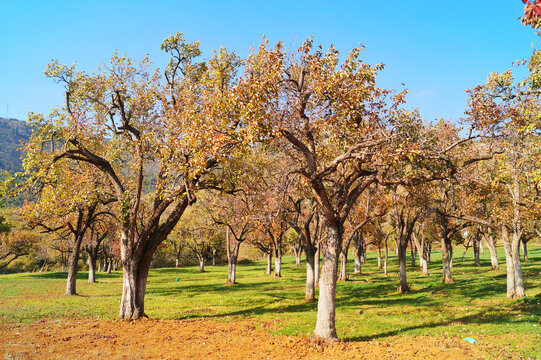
369 307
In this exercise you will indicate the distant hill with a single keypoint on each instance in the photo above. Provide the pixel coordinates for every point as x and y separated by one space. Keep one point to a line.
12 133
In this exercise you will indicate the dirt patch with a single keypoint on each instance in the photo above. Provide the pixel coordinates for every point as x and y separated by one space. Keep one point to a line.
204 339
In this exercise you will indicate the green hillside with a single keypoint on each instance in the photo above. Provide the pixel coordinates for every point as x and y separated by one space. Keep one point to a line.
12 132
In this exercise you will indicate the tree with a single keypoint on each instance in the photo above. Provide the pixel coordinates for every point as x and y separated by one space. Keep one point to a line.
69 197
508 110
165 132
14 243
343 134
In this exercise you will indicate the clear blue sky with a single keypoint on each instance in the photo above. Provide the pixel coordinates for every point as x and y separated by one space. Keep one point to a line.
437 48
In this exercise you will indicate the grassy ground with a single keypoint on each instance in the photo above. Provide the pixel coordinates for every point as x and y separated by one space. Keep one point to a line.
368 306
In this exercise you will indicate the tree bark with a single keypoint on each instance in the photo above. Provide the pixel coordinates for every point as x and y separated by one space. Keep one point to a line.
202 264
446 257
490 241
298 258
277 267
310 274
135 275
402 250
413 253
316 266
325 323
268 270
525 249
386 258
72 269
343 266
476 255
91 267
515 283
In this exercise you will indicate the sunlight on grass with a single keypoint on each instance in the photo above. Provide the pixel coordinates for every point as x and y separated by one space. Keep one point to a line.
368 305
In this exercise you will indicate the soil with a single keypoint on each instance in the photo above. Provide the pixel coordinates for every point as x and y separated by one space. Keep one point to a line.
205 339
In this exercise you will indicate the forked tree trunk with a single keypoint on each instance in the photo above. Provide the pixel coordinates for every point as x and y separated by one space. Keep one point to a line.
515 283
490 241
268 270
135 275
232 258
325 323
420 244
72 268
309 295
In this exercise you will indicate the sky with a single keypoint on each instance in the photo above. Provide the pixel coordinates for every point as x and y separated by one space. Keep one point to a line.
438 49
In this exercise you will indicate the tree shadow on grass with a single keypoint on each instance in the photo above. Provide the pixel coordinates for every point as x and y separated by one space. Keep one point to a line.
248 312
483 317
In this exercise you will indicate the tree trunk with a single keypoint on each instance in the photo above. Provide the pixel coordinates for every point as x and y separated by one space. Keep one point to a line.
91 267
213 256
525 250
232 265
109 264
278 266
420 244
298 255
491 244
476 255
515 283
325 323
413 253
72 269
268 270
63 262
358 258
135 275
465 251
202 264
316 266
379 257
310 273
429 253
446 258
386 258
177 262
343 266
402 250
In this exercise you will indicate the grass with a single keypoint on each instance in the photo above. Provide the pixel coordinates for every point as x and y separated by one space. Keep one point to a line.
369 307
